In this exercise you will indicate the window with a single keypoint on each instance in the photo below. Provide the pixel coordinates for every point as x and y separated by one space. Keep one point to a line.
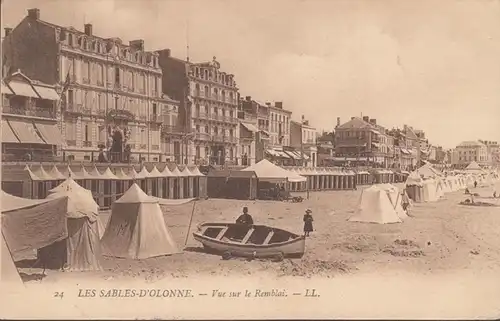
70 39
231 132
216 130
70 130
154 109
207 93
198 152
87 133
223 93
156 85
70 97
117 75
197 128
207 129
116 102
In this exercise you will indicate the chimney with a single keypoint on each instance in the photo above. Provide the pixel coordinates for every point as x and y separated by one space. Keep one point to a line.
7 31
338 121
248 98
268 104
34 13
351 119
278 104
139 45
366 119
373 121
88 29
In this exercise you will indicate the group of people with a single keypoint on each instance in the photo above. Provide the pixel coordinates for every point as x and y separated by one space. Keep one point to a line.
247 219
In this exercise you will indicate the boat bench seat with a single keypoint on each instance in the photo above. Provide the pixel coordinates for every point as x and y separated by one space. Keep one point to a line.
268 238
247 236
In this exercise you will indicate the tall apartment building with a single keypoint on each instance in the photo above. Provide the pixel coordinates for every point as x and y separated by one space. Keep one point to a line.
257 114
209 108
303 138
279 125
113 91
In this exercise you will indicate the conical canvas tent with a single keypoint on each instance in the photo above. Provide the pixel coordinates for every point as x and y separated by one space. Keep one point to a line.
86 202
137 228
81 251
395 196
267 171
375 207
9 275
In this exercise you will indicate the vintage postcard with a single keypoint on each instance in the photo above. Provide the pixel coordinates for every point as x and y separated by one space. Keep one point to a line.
216 159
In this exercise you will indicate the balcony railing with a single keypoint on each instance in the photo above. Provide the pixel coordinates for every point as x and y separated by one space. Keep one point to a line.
169 129
86 81
143 146
33 112
202 136
87 144
71 142
155 118
155 147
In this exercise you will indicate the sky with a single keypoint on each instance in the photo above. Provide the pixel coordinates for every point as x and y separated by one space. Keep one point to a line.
434 65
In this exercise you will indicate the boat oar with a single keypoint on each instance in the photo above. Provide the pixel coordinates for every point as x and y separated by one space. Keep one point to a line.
190 221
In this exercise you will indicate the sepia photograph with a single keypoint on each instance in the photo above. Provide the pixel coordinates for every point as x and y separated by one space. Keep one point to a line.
216 159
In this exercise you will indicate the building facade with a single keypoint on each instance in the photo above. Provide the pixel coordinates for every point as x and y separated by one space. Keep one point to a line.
303 138
279 125
362 141
112 99
470 151
493 150
209 104
256 114
30 113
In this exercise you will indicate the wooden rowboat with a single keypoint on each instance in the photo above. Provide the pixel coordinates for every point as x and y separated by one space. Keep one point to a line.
256 241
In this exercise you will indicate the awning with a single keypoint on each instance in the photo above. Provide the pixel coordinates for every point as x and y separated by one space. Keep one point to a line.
6 90
265 133
405 151
22 89
282 154
47 93
376 145
250 127
293 154
271 152
7 134
26 132
50 133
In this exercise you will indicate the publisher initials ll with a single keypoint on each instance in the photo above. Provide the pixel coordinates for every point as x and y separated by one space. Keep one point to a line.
311 293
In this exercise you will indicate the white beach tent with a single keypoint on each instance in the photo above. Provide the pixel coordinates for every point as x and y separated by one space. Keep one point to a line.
267 171
85 203
82 250
136 228
395 196
375 207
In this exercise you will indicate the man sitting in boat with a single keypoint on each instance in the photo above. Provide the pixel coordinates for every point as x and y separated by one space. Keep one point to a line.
245 218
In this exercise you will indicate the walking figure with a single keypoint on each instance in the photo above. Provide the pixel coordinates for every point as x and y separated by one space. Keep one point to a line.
308 225
475 184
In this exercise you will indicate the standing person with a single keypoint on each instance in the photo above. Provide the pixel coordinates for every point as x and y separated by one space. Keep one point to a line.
475 184
308 225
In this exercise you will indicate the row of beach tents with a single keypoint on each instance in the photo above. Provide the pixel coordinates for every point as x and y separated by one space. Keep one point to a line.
74 235
39 173
383 203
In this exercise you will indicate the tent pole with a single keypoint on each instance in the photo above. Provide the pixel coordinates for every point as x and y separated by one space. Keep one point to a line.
190 221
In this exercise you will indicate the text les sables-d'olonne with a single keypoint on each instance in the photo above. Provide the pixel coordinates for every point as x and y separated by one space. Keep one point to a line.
187 293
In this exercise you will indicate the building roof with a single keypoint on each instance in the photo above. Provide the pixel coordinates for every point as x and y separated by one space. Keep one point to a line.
356 123
470 143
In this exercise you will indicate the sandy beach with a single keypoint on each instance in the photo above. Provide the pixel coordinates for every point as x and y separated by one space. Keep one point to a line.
438 237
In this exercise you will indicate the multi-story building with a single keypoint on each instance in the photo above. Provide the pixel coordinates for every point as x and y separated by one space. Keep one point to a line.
361 140
303 138
279 125
493 150
470 151
112 91
257 114
30 116
209 108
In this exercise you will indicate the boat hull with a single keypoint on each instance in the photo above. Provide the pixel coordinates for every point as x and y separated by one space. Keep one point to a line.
293 247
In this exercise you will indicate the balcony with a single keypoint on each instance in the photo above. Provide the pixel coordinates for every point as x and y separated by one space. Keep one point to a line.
143 117
87 144
143 146
71 142
200 115
31 112
100 83
155 147
202 136
86 81
171 130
